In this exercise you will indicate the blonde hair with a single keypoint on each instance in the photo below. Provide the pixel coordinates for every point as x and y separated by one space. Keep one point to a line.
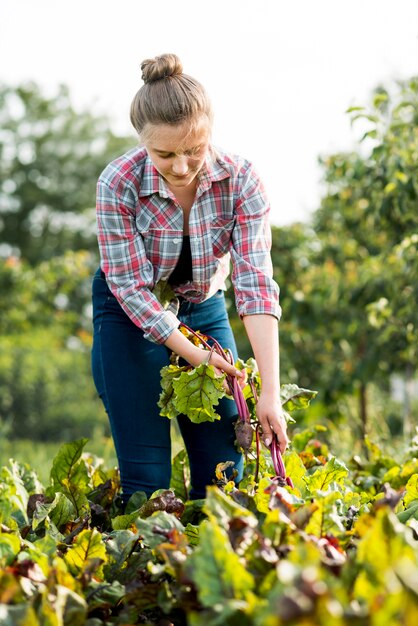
168 96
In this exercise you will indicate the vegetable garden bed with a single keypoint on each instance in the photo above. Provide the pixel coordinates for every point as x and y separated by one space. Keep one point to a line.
336 545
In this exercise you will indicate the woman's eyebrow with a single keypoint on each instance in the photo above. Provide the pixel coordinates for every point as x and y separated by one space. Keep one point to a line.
191 149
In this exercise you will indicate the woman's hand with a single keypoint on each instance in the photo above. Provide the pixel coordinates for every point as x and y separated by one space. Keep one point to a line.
271 417
222 366
194 355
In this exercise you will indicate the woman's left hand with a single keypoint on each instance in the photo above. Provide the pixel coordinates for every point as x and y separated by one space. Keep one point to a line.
271 417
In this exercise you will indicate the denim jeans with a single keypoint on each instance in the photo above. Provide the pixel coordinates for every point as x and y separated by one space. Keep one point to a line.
126 371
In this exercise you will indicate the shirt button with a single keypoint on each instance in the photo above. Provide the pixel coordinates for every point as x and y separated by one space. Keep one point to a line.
176 240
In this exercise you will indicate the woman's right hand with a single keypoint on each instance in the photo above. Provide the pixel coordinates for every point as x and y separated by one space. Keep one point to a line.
221 365
194 355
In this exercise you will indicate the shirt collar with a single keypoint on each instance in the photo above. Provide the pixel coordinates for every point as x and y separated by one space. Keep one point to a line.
153 182
211 171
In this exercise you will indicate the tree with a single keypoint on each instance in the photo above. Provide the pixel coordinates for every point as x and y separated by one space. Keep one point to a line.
353 314
50 158
46 387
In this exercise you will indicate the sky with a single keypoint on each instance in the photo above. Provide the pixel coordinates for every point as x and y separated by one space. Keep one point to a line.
280 74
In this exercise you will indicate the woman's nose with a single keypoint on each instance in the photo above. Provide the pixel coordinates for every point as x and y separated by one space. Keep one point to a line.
180 166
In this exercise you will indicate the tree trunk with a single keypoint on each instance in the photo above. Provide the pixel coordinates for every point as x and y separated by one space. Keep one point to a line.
363 411
408 382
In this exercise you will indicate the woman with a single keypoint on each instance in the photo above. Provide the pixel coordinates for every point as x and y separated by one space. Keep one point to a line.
175 212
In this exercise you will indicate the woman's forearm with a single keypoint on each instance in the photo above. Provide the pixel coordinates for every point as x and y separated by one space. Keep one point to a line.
178 343
263 333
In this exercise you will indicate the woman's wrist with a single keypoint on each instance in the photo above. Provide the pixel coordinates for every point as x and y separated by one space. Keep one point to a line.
179 344
270 390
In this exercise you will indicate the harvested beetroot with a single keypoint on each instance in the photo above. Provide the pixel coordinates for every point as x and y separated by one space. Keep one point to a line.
244 433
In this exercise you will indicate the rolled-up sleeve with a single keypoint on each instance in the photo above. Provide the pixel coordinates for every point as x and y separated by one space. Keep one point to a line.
129 273
256 292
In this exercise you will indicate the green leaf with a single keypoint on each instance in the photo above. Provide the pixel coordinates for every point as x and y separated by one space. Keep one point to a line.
295 469
149 528
68 606
223 508
69 474
326 520
383 544
124 522
410 513
65 466
334 471
300 440
192 533
389 188
22 615
193 512
411 490
135 502
14 499
379 99
9 548
61 510
180 475
401 176
164 293
216 569
197 392
294 397
119 545
354 108
87 547
167 396
262 497
104 596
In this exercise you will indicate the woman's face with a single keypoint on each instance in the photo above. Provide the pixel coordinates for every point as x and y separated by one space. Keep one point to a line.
178 153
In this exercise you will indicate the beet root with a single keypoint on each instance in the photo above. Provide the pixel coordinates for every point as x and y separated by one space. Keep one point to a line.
244 434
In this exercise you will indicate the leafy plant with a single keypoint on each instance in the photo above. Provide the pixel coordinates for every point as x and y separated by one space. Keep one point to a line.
195 391
339 547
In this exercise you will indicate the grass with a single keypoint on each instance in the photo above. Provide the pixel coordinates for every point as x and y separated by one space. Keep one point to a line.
39 455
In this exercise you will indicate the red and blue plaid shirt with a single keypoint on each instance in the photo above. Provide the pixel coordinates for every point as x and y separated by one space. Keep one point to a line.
140 234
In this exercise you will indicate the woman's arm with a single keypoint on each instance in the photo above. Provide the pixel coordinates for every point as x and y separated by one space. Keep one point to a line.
179 344
263 333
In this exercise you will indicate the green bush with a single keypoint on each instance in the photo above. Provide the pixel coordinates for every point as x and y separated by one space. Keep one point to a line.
46 388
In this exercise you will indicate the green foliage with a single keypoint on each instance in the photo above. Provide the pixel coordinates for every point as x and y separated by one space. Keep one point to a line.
55 292
349 280
50 159
46 391
197 392
46 388
293 397
192 391
87 553
218 570
338 548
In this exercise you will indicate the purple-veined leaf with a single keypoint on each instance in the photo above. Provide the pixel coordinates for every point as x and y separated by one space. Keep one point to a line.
197 392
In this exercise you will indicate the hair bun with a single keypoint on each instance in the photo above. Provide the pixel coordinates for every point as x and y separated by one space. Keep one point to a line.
161 67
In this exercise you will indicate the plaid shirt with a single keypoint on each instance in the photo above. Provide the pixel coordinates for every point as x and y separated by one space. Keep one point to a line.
140 234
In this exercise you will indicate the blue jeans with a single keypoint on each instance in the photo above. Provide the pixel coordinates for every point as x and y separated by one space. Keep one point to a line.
126 371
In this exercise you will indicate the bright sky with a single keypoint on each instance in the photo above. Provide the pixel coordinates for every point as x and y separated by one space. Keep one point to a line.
280 74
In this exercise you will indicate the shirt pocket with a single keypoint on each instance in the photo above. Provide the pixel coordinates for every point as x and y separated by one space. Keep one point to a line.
221 234
162 248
